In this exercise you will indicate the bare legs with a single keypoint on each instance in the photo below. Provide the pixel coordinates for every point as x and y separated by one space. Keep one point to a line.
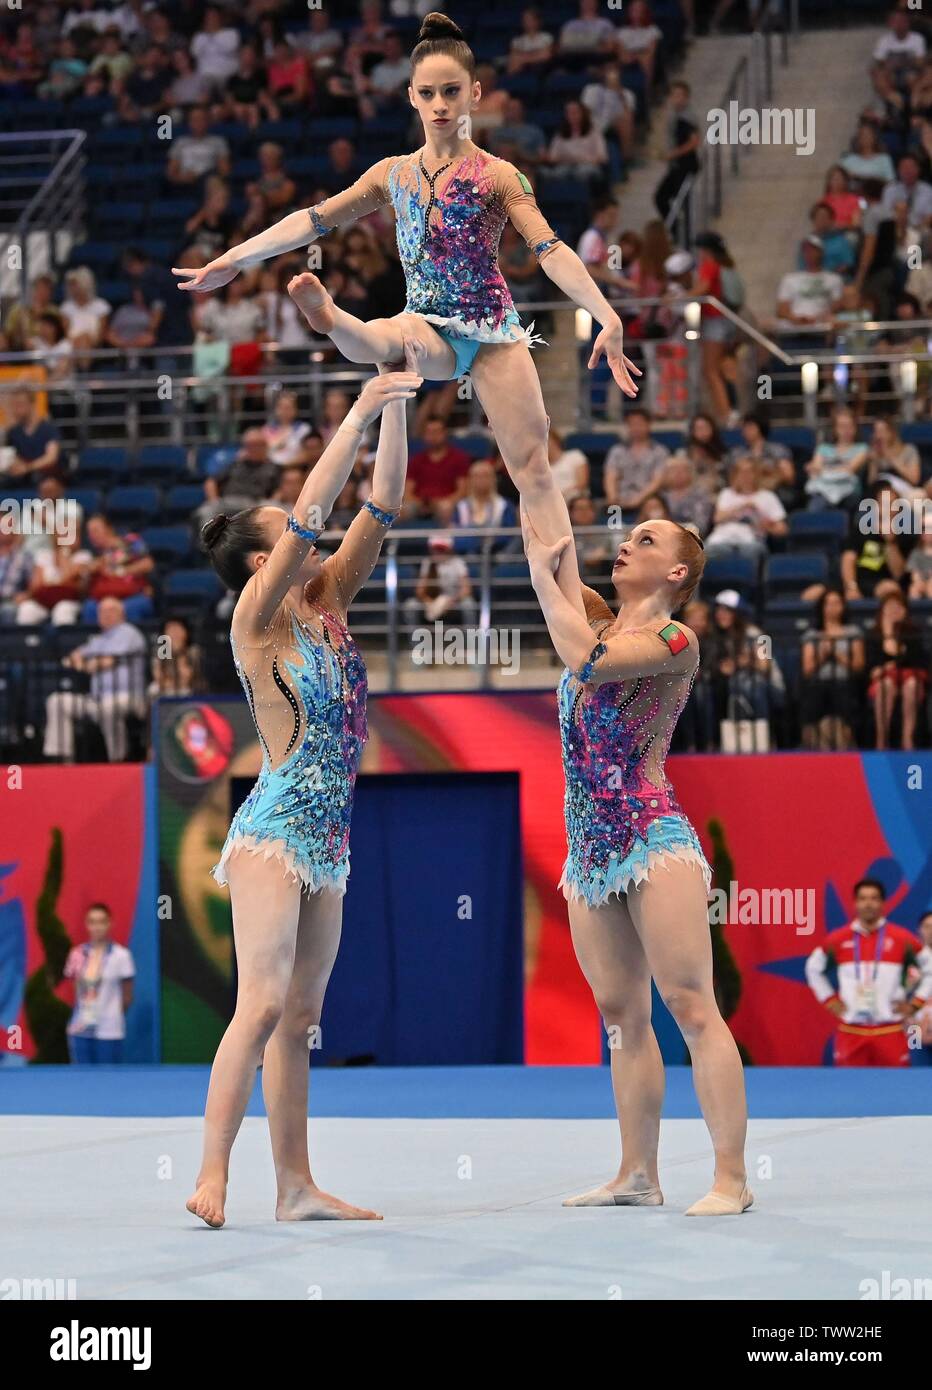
285 1066
265 919
379 340
284 953
667 918
506 383
612 959
508 387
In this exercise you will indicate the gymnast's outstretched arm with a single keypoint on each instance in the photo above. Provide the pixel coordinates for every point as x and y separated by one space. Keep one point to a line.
297 229
267 588
355 559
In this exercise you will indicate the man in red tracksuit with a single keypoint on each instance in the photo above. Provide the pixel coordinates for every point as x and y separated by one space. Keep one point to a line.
871 957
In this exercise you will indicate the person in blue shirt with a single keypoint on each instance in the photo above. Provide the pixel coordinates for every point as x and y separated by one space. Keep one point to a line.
36 444
838 248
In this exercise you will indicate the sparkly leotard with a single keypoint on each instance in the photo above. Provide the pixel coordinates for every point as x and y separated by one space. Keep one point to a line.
448 226
622 816
305 682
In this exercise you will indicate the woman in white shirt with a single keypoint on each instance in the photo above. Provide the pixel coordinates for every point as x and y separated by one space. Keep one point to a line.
746 514
638 39
283 323
56 585
578 150
532 46
84 312
285 433
570 467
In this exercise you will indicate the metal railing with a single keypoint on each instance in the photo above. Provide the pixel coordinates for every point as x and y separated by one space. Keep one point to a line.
151 395
742 701
42 202
750 85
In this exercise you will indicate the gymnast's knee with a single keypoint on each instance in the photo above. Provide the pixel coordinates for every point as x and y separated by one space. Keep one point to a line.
530 465
622 1016
261 1012
692 1008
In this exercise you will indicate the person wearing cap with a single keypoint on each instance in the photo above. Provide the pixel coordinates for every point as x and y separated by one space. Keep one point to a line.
746 683
444 588
813 295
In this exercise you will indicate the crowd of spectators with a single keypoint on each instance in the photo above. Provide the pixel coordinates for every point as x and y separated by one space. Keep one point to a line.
727 478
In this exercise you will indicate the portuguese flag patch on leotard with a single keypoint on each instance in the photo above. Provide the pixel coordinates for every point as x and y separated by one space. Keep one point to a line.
674 637
524 183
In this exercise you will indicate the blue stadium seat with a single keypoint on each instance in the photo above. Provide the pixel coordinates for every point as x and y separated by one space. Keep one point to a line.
521 84
204 586
595 445
182 501
332 127
730 571
133 505
670 439
817 530
794 437
89 499
102 257
785 573
161 463
168 545
478 445
213 459
102 465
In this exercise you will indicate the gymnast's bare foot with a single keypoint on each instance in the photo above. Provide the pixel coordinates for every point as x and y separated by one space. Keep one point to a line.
308 1203
314 301
207 1202
633 1190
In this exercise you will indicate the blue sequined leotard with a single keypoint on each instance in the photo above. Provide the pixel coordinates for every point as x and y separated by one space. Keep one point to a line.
622 816
305 682
448 225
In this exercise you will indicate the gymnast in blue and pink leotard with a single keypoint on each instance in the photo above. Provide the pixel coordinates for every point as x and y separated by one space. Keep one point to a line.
448 227
622 815
626 683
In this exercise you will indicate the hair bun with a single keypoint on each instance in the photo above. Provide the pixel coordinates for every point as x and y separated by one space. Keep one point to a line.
213 529
439 26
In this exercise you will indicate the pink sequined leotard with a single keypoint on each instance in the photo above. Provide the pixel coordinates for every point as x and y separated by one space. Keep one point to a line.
448 226
622 816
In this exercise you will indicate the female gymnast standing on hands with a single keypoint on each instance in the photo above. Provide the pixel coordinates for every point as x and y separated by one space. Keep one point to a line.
626 682
286 858
451 200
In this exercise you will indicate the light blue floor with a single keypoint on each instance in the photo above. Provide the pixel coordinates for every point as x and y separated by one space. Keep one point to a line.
469 1168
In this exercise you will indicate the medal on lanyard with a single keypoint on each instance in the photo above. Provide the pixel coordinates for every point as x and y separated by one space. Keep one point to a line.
865 995
88 992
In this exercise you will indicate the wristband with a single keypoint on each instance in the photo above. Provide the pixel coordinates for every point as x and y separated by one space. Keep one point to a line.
584 674
384 518
303 531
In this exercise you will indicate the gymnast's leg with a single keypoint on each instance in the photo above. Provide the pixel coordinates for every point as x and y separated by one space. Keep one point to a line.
379 340
612 959
285 1067
670 913
265 904
508 388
